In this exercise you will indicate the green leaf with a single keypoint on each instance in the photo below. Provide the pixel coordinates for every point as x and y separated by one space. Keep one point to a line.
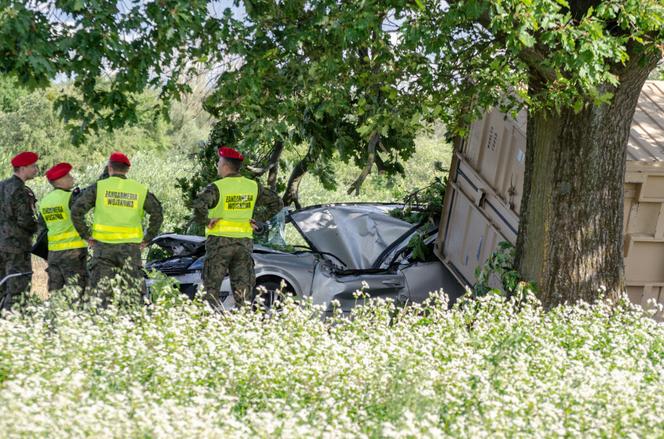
526 38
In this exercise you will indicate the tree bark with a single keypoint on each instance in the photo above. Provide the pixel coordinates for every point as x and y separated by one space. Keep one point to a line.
291 195
274 163
570 240
371 157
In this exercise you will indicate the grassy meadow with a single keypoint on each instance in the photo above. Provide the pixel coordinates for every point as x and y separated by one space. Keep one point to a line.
486 368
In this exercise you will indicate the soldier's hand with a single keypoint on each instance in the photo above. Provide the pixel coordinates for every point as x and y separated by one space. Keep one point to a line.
91 242
212 222
143 245
258 226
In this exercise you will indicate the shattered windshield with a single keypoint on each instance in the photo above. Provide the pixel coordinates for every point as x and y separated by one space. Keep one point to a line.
281 234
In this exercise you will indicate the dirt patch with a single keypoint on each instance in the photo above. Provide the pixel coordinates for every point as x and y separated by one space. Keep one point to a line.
39 277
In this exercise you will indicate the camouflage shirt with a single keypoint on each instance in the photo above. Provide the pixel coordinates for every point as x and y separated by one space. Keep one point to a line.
18 221
88 198
268 203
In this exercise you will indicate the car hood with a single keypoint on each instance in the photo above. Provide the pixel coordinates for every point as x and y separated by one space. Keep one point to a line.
355 233
193 245
180 245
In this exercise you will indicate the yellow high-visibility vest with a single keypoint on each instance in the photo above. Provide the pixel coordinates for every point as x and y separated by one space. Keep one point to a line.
62 235
237 198
119 211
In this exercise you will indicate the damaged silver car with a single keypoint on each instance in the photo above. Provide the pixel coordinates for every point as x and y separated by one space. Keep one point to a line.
327 252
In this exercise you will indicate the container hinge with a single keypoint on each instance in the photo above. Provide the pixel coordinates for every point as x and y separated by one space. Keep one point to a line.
480 198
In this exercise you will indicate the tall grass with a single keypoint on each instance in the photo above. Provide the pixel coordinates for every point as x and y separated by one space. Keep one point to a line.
487 368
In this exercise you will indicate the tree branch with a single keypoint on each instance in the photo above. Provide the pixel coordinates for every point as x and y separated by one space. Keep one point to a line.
274 162
291 195
272 165
371 157
531 56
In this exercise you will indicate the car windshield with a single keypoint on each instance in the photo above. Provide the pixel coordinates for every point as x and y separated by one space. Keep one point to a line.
282 234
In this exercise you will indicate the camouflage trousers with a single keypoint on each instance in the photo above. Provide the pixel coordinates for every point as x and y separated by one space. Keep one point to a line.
67 267
13 289
109 260
233 256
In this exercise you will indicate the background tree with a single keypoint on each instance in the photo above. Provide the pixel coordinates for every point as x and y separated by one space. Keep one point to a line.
327 75
109 50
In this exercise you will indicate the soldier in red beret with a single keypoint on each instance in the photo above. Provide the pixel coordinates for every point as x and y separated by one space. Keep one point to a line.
117 235
18 224
67 252
227 209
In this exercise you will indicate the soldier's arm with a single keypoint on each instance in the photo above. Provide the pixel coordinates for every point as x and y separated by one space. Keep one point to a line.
268 204
205 200
82 205
41 224
153 207
23 204
74 195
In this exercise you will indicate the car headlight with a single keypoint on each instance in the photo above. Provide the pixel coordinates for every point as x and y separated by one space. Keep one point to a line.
197 264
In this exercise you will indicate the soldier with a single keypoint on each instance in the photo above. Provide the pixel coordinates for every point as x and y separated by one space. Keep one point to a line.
227 208
18 223
67 252
117 236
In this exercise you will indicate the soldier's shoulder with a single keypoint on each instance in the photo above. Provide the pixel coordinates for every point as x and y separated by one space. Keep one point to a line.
88 189
12 183
152 198
17 188
211 188
85 195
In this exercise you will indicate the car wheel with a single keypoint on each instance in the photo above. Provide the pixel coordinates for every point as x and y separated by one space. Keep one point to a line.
269 289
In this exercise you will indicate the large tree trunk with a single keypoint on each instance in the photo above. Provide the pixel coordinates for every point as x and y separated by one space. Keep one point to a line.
570 239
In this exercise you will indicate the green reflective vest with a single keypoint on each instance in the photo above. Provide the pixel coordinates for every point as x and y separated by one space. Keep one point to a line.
237 198
62 235
119 212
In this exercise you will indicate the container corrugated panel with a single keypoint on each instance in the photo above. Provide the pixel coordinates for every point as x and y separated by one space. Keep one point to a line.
645 295
646 137
496 150
477 221
482 201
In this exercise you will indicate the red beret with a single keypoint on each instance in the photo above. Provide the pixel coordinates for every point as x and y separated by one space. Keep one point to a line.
58 171
25 158
119 158
230 153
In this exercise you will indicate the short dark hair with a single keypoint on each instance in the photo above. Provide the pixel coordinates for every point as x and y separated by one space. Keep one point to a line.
234 163
16 168
119 167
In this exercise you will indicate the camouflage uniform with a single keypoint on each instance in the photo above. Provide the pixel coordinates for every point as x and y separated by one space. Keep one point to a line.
18 223
232 255
66 266
109 259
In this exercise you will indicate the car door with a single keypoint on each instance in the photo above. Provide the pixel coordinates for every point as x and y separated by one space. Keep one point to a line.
329 286
422 278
